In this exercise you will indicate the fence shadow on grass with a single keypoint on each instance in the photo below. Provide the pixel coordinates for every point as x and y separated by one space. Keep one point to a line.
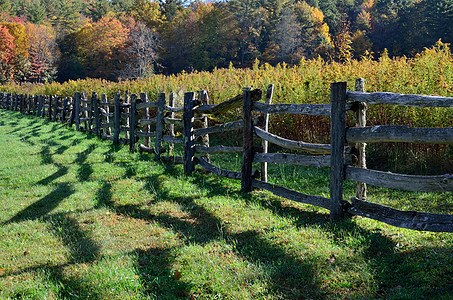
45 205
201 227
387 264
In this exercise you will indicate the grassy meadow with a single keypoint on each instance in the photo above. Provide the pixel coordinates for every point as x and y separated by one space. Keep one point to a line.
83 219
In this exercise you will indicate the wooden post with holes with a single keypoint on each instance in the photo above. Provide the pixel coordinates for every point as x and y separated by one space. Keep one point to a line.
159 126
126 111
76 110
43 107
132 121
247 154
90 113
97 117
9 101
14 106
203 96
361 189
189 137
265 144
35 105
338 137
29 105
55 108
22 103
40 105
104 99
64 111
50 109
171 127
117 119
145 115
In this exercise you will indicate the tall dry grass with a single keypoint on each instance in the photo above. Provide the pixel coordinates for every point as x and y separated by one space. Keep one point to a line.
430 73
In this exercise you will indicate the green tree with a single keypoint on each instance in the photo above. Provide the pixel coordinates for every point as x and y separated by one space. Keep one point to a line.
202 38
98 8
5 6
36 12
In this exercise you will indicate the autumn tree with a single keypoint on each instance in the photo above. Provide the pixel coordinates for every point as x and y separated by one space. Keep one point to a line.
343 40
147 12
100 47
43 52
302 32
19 64
6 54
141 51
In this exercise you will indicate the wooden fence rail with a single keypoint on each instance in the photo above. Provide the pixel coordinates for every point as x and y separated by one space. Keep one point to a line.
128 119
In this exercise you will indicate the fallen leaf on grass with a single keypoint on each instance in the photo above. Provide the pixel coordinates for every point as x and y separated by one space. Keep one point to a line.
177 275
331 259
26 252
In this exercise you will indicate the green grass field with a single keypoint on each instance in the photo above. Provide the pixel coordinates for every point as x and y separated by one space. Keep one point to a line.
82 219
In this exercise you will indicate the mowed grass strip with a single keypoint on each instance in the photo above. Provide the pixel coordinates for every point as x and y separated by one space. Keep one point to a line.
82 219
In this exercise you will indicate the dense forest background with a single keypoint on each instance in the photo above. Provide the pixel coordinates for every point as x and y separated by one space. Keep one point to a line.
48 40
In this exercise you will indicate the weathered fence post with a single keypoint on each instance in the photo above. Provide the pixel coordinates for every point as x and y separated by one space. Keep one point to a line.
127 111
265 144
338 137
43 111
76 110
104 99
63 112
159 126
132 121
90 113
14 106
49 110
188 133
171 127
22 103
247 154
203 96
38 111
145 115
8 101
55 108
72 111
30 97
35 105
85 111
361 189
97 118
117 119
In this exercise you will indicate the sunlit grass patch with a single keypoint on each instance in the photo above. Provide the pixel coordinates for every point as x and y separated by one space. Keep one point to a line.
80 218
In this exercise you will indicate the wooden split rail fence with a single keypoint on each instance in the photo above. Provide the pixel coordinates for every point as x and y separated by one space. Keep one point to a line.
126 121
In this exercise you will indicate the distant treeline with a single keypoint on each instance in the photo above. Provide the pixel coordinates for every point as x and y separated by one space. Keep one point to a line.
47 40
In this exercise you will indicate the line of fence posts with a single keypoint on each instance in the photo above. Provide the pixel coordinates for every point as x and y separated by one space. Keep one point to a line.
87 111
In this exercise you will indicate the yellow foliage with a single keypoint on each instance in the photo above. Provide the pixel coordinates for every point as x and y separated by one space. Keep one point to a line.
17 30
148 12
